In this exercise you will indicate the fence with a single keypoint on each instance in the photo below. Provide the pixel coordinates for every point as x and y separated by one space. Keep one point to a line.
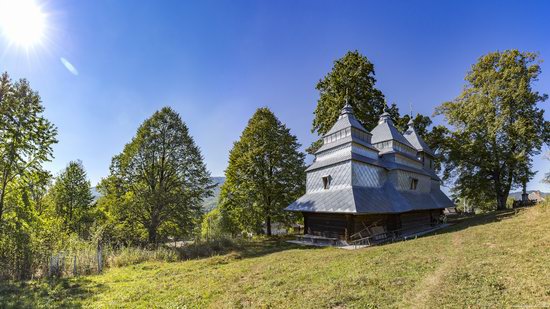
82 262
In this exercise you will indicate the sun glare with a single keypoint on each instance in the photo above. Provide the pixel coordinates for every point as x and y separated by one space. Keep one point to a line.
22 22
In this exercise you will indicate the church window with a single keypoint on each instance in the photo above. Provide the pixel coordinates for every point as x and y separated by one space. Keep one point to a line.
414 183
326 182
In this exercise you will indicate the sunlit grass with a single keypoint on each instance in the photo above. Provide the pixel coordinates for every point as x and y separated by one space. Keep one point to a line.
496 260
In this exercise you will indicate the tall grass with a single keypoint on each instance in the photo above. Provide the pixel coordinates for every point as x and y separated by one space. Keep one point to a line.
81 258
134 255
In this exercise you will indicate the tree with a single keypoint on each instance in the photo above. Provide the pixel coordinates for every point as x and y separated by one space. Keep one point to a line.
159 178
72 198
497 126
26 137
352 78
266 172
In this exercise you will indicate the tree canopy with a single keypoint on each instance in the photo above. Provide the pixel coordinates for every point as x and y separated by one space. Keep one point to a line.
266 173
352 80
497 126
159 180
26 139
26 135
72 198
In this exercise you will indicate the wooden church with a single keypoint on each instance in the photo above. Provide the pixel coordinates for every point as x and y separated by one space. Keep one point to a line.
364 183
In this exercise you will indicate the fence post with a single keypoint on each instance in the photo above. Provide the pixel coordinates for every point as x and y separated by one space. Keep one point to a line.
99 257
74 266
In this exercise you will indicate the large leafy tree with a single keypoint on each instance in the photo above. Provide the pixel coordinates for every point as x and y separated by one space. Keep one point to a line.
351 78
497 126
160 178
26 136
266 172
72 198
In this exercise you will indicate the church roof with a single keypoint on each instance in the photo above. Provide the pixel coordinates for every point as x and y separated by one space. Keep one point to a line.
380 163
416 140
343 141
365 200
346 120
386 131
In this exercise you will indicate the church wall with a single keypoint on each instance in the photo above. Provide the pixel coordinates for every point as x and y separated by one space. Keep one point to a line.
340 177
366 175
427 161
402 181
334 153
407 161
435 185
342 226
358 149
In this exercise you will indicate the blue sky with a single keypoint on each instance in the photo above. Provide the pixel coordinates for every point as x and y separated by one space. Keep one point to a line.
216 62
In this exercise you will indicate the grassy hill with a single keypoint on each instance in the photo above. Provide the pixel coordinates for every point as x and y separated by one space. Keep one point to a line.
495 260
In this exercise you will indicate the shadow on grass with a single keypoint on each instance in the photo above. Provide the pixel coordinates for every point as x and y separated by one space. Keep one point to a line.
242 248
58 293
463 223
269 246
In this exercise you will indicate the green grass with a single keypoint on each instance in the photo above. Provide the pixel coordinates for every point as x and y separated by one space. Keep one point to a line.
495 260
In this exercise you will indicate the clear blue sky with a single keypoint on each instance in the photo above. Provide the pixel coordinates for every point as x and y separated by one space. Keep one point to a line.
216 62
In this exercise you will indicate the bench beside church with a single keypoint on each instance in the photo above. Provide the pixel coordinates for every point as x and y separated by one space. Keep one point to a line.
375 181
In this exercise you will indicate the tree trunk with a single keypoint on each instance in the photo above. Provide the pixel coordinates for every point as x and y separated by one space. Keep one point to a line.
152 234
498 191
501 200
268 225
2 195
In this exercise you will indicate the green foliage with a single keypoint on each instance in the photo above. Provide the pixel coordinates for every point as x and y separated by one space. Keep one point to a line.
510 203
217 224
158 183
27 230
26 137
497 126
72 197
352 78
266 172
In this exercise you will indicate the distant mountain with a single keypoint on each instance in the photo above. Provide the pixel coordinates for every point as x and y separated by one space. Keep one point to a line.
211 202
533 194
95 194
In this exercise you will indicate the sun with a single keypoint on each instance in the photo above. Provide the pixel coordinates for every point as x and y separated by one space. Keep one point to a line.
22 22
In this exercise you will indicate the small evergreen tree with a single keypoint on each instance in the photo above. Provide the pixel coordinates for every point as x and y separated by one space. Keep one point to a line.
266 173
72 198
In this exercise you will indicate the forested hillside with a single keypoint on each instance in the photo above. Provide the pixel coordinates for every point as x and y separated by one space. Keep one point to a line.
212 201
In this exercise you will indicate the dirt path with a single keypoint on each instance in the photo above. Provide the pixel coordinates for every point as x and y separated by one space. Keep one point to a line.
427 289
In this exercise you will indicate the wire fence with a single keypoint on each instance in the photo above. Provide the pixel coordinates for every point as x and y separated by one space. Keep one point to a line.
84 261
